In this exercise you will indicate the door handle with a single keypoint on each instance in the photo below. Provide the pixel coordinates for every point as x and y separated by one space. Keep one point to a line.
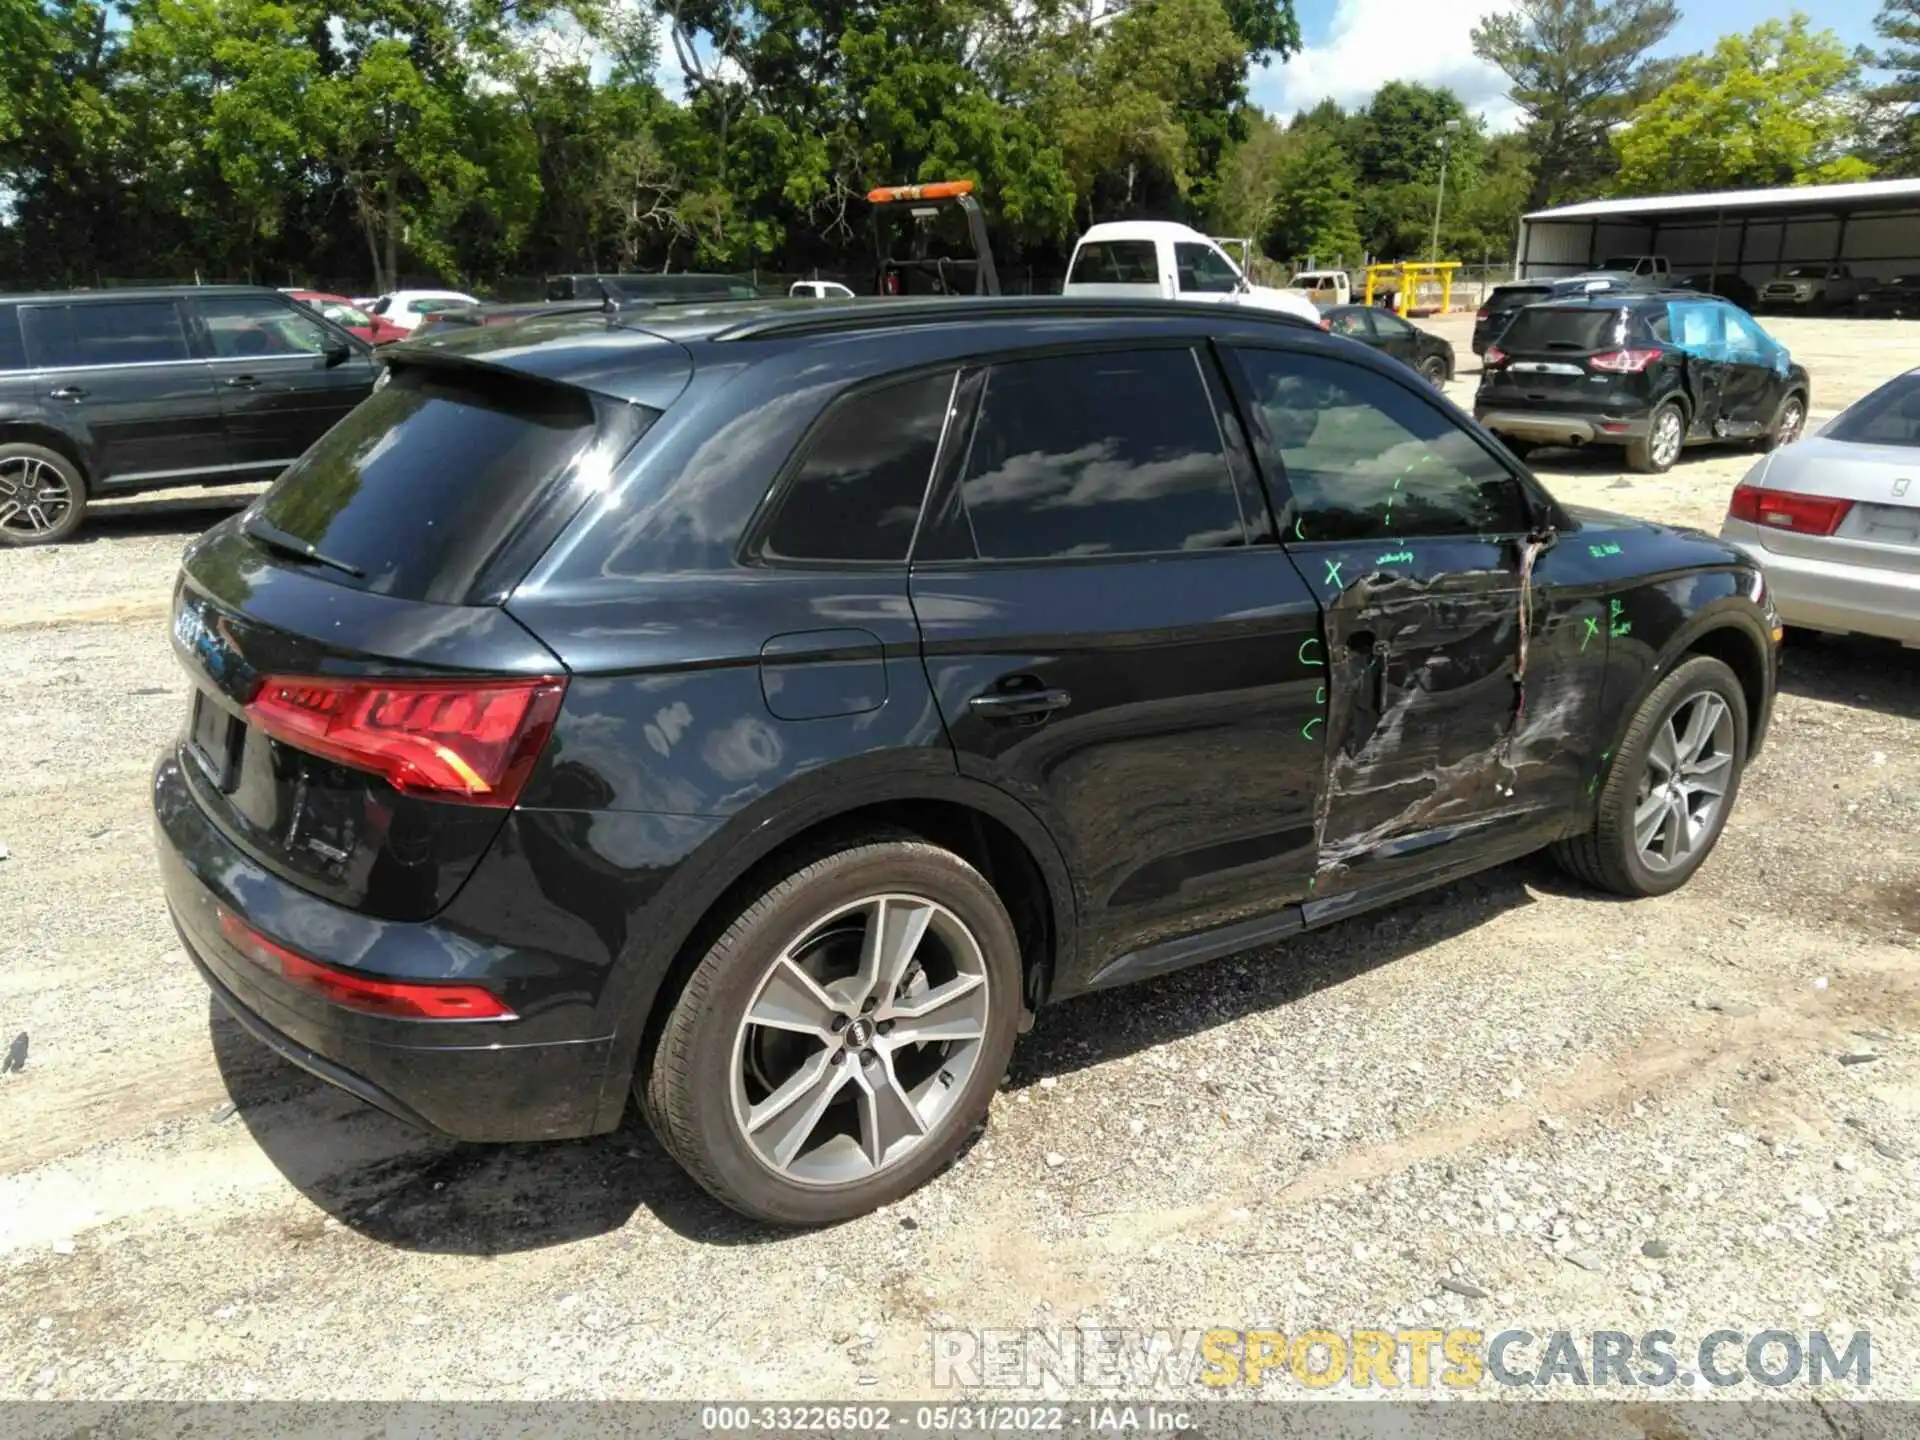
69 392
1013 704
243 382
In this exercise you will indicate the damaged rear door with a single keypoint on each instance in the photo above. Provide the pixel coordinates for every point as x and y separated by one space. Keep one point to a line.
1415 538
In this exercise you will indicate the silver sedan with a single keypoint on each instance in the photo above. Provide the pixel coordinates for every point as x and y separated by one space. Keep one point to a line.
1835 520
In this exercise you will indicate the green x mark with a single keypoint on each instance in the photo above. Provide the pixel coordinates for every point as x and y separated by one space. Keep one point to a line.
1593 629
1333 572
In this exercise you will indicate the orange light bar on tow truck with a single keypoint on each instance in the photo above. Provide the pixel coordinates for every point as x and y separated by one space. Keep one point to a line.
936 190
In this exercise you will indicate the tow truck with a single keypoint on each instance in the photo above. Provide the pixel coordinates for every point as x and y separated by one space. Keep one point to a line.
946 249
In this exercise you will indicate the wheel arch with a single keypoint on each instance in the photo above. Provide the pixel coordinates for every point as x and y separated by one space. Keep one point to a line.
48 437
991 830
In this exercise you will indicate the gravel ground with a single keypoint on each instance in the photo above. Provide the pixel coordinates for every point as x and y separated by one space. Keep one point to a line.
1507 1104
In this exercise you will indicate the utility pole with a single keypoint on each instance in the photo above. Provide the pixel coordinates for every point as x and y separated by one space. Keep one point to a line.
1446 136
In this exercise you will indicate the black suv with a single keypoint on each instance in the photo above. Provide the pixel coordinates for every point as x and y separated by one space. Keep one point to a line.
1654 373
110 392
763 710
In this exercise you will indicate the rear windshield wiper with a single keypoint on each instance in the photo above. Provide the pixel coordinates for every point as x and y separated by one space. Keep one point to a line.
274 538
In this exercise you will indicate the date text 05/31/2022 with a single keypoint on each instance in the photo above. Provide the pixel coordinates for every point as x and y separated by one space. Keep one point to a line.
1096 1418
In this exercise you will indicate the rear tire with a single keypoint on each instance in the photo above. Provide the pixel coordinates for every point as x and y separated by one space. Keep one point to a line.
43 496
870 1115
1655 452
1434 369
1612 856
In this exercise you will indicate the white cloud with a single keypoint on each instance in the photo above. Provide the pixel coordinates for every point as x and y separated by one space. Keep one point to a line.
1373 41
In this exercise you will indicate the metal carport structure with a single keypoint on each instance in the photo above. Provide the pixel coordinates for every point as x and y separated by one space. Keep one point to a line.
1873 225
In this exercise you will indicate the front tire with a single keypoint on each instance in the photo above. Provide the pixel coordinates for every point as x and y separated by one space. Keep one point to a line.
1788 421
1655 452
842 1038
1434 369
1670 786
43 497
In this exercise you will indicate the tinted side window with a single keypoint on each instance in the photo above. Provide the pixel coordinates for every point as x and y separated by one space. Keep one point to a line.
856 493
1369 460
114 332
241 327
1107 454
1204 270
13 354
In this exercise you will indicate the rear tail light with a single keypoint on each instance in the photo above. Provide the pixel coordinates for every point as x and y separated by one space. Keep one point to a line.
472 741
1495 356
1784 510
1623 362
1481 313
402 999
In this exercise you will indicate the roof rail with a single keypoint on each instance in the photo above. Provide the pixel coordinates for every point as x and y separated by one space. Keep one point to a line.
867 313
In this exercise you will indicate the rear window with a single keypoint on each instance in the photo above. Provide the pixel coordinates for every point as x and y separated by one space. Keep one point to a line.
1888 416
1512 297
423 484
1115 262
13 355
1553 327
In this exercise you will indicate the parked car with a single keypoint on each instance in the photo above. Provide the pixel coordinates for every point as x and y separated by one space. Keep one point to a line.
1654 373
1649 272
1726 285
468 316
1811 287
1835 520
1503 300
676 285
406 308
819 290
1892 299
352 318
775 763
1158 259
1325 288
110 392
1386 332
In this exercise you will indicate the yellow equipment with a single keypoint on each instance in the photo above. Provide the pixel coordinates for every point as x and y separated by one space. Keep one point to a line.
1406 277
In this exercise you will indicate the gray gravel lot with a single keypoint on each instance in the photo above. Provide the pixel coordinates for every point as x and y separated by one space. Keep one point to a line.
1511 1103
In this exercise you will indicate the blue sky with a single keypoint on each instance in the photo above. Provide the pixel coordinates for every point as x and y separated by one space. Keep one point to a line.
1354 46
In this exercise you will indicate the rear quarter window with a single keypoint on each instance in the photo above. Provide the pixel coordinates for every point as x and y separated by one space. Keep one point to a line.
1887 416
1115 262
427 480
13 354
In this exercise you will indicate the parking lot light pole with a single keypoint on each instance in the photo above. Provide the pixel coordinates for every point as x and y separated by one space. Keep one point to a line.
1447 133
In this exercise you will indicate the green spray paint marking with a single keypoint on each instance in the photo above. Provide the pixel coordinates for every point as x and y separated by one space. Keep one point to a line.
1593 629
1615 625
1306 730
1396 557
1320 696
1298 533
1333 572
1594 783
1601 552
1310 640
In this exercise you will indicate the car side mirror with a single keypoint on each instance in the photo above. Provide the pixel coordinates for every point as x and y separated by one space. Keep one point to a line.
337 353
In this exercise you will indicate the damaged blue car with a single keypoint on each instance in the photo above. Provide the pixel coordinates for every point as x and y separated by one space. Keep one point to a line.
758 712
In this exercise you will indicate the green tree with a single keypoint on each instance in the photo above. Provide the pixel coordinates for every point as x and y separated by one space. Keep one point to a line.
1896 104
1577 68
1776 106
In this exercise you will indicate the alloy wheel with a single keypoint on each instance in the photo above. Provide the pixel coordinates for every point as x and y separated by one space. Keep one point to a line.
859 1039
34 496
1666 437
1792 418
1689 767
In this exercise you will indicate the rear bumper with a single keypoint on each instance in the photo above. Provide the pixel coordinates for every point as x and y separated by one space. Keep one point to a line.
467 1080
1843 598
1544 427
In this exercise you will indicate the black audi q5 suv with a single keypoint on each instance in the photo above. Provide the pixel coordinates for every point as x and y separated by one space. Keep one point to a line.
763 710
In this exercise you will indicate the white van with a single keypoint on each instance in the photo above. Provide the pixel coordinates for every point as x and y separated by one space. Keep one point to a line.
1170 262
1323 287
